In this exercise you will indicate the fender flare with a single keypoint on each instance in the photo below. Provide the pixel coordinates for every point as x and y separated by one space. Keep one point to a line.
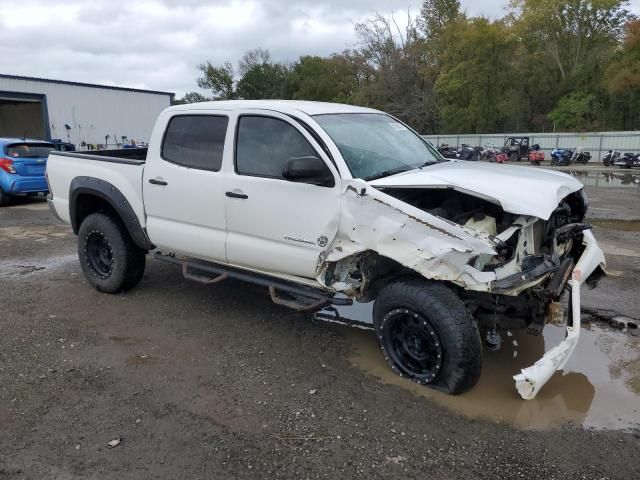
114 197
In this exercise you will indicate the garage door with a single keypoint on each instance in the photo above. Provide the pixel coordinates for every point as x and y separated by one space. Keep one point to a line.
20 117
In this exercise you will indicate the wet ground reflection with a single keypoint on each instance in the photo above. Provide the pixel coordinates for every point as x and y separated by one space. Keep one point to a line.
599 388
620 178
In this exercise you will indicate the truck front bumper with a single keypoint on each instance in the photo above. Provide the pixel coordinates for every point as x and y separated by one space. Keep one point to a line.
531 379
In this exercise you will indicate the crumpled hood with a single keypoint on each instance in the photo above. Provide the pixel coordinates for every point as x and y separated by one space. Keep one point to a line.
517 189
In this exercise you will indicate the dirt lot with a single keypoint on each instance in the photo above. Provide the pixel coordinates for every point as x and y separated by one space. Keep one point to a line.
217 382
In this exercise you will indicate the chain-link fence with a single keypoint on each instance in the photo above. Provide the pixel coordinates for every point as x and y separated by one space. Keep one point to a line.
596 143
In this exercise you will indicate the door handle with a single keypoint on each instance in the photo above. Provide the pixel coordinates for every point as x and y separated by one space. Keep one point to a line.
157 181
236 195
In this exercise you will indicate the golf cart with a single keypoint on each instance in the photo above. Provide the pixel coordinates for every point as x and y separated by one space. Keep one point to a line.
518 148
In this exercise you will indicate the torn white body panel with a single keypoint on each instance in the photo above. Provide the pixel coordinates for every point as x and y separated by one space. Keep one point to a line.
532 379
434 247
510 186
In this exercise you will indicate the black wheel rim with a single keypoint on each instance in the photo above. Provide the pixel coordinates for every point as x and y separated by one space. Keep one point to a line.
413 345
99 254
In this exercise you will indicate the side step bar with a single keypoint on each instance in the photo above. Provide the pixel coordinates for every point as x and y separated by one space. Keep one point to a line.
303 299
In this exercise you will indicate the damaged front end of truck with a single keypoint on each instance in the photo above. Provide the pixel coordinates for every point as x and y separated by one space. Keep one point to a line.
515 266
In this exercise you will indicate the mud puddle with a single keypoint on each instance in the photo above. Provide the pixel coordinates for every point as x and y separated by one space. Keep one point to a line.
609 179
599 387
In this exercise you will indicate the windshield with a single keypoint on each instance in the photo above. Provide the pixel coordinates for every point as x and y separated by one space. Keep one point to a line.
375 145
29 150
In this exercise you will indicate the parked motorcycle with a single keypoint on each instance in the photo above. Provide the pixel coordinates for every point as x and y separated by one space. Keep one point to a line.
467 152
627 160
447 152
610 157
561 157
579 156
489 152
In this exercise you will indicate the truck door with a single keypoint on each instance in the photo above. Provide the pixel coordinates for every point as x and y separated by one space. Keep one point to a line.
274 224
183 188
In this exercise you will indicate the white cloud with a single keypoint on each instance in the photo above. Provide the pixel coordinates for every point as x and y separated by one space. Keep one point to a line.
158 44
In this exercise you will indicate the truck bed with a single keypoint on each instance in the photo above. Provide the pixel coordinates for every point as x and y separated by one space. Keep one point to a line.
121 169
134 156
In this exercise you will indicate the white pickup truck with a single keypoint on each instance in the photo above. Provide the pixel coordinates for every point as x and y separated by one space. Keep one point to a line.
327 203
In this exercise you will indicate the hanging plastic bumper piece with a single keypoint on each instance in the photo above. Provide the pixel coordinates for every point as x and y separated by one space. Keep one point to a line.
531 379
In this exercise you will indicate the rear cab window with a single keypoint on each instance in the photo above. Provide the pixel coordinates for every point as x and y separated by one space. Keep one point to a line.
195 141
28 150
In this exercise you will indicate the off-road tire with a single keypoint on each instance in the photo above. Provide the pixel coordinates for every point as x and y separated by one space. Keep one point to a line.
438 310
124 262
4 198
514 157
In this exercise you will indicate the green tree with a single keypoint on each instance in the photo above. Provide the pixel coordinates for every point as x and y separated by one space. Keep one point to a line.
252 58
437 15
573 33
576 112
217 79
547 62
327 79
398 83
622 80
478 87
263 80
193 97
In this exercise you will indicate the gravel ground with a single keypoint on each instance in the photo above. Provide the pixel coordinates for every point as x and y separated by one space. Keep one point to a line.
217 382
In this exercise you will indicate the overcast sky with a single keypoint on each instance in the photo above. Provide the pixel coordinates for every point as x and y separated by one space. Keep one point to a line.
157 44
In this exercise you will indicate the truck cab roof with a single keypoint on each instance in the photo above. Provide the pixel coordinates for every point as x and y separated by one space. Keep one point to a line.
283 106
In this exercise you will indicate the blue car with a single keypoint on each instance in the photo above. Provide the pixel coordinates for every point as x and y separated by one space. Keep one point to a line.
22 166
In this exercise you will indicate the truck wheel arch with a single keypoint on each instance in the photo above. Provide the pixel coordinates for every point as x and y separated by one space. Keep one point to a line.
89 194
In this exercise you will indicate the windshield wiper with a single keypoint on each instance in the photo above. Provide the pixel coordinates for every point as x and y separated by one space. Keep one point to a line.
387 173
429 163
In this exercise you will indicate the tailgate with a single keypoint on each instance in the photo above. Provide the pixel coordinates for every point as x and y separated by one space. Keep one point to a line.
30 166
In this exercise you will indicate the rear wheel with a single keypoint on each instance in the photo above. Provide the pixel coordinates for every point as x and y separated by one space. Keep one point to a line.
427 334
4 198
514 157
109 258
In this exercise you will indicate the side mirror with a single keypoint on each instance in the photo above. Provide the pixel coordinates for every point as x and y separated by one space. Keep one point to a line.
308 169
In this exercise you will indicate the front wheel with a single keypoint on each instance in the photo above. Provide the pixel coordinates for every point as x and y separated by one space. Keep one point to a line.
427 334
514 157
110 260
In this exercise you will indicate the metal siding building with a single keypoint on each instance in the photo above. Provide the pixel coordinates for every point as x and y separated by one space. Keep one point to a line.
77 112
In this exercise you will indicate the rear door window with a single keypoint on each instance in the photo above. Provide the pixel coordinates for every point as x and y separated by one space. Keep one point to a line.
195 141
29 150
265 144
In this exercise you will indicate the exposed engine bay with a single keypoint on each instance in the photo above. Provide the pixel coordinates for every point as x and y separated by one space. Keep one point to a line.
534 257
